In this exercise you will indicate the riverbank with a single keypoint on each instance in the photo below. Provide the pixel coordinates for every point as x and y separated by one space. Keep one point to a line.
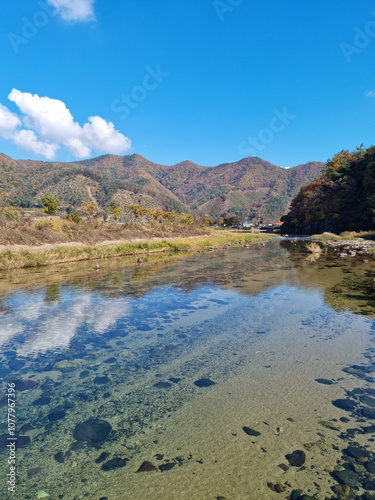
348 244
25 256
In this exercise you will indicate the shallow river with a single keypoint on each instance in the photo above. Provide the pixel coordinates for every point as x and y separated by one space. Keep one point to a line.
220 375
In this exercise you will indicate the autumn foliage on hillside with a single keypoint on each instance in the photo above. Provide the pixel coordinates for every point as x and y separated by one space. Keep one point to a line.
343 199
250 188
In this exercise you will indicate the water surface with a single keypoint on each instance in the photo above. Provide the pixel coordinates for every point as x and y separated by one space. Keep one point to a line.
129 346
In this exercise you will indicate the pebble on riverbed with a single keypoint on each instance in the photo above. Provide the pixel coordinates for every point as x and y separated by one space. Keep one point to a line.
167 466
114 463
204 382
163 385
103 456
147 467
59 457
297 458
35 471
250 432
324 381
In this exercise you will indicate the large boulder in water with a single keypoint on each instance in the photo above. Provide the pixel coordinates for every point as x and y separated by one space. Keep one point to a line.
93 430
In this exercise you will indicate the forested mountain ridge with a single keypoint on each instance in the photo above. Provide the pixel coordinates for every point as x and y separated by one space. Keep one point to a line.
343 199
250 187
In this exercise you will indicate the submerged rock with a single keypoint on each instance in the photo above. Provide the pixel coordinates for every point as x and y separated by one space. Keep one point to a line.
345 404
167 466
114 463
56 415
93 430
26 428
345 420
25 384
354 371
147 467
204 382
101 380
368 401
163 385
102 457
297 458
77 446
357 452
359 468
19 441
110 360
279 488
324 381
59 457
296 495
250 432
368 413
284 467
35 471
43 401
347 477
369 484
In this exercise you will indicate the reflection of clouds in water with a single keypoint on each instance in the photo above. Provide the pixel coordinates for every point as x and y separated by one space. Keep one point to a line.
107 313
52 326
13 323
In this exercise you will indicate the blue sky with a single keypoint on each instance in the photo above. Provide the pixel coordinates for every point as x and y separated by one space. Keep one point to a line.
209 81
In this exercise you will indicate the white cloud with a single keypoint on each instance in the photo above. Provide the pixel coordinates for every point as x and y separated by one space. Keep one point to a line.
370 93
8 122
77 148
26 139
74 10
49 117
103 135
51 125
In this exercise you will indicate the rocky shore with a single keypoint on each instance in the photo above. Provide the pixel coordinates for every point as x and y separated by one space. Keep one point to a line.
349 248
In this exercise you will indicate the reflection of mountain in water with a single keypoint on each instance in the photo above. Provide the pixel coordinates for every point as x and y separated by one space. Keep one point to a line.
97 300
348 283
250 271
45 318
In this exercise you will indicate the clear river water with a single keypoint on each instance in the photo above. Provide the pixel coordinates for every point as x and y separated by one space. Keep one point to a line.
237 374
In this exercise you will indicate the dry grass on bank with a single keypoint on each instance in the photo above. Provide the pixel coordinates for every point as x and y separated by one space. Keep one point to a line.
345 236
46 242
50 231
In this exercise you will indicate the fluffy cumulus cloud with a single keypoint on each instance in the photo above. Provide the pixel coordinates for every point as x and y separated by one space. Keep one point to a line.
26 139
8 122
46 125
74 10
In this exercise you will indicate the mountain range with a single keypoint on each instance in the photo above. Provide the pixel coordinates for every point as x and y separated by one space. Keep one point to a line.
250 188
